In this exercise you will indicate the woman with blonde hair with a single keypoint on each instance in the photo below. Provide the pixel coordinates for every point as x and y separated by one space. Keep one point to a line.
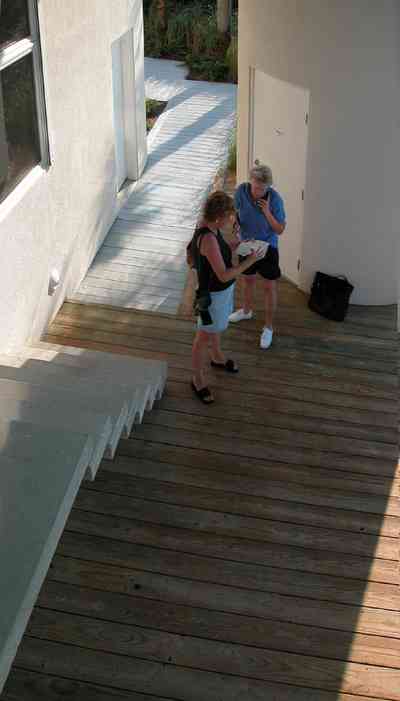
211 256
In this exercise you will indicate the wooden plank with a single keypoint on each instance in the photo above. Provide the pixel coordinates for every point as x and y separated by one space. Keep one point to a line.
345 379
305 319
247 361
101 286
272 388
299 406
148 677
152 508
266 451
127 608
185 328
152 230
244 476
163 261
130 293
34 686
129 275
241 661
294 387
250 355
289 318
228 547
262 500
121 300
278 414
198 580
179 367
143 243
238 430
238 336
322 334
320 344
244 353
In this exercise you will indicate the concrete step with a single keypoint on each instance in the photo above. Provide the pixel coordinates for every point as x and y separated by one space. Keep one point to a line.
61 411
53 413
32 517
119 411
100 361
56 376
26 440
125 369
135 372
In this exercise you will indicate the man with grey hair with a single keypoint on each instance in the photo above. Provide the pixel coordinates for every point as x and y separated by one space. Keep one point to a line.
261 216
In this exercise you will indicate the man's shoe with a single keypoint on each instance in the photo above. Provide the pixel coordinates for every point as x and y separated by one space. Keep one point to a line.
266 338
240 315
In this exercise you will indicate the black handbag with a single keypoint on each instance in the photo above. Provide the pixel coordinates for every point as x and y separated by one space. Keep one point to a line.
201 303
330 296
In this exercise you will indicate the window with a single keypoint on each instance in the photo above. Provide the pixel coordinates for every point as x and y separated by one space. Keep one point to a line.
23 129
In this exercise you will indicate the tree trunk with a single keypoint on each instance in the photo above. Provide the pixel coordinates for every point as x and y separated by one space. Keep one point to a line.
223 12
162 12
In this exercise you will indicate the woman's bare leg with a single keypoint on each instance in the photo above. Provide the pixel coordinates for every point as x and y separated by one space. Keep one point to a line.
216 352
249 285
200 356
270 301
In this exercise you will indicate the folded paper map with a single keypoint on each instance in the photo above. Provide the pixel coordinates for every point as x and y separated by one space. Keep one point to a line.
246 248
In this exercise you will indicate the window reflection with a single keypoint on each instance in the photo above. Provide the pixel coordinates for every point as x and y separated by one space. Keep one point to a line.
14 21
19 140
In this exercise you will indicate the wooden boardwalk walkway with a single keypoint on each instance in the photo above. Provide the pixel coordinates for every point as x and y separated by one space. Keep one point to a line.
246 551
141 264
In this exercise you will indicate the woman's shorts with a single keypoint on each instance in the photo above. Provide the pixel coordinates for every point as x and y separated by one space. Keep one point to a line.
267 267
220 308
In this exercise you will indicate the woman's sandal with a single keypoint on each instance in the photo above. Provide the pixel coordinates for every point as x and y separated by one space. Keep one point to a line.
228 366
203 394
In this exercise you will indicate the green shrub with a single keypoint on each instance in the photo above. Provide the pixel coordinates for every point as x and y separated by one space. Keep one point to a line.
192 36
154 33
211 69
153 110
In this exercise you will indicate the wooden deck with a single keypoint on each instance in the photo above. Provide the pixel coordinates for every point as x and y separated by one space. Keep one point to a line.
246 551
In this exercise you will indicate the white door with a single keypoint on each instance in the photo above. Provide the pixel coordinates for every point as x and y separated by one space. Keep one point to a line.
129 105
279 136
119 126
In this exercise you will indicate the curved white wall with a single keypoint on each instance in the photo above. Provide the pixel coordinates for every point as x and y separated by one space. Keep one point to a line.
347 55
59 218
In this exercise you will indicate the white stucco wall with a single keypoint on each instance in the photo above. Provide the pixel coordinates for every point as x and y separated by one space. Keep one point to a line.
58 219
347 55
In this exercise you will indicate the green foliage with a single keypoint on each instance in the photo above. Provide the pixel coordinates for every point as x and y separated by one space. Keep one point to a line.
210 69
154 32
192 36
154 107
232 60
153 110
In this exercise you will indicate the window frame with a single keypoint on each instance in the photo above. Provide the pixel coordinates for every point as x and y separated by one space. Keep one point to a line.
31 46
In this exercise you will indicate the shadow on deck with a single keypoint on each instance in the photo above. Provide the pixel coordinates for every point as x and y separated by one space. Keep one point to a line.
247 550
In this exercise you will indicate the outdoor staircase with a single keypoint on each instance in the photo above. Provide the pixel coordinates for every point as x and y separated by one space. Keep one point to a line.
62 410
